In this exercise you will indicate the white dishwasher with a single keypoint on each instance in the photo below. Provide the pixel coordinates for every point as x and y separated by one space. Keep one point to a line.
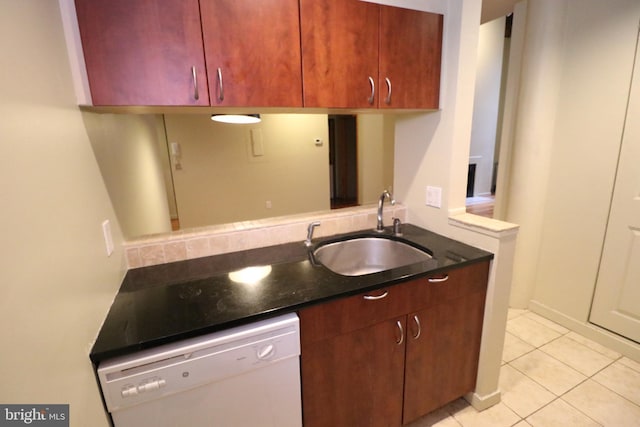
240 377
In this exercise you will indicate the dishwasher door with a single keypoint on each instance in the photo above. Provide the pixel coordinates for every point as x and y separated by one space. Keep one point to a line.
245 376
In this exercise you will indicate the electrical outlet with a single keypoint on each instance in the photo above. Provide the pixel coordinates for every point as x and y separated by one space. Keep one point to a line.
434 197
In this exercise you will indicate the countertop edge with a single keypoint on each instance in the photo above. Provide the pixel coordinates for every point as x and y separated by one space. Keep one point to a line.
102 351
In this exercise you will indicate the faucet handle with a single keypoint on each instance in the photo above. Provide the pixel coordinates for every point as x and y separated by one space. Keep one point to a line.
397 227
310 229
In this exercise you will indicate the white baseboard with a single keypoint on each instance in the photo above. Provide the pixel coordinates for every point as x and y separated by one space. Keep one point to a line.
480 403
593 332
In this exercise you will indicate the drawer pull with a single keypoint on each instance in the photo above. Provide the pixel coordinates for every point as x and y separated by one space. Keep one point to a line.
196 94
417 335
374 298
400 340
438 279
221 94
373 90
388 98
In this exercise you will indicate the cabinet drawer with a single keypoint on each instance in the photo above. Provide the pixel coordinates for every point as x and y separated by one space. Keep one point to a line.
349 314
453 284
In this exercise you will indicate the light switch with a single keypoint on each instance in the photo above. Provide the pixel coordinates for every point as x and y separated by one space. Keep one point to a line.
256 142
434 197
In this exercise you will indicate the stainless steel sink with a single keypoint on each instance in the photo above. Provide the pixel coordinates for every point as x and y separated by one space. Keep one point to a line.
365 255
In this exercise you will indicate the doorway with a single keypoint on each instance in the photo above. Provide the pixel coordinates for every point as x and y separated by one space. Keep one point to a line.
343 160
493 60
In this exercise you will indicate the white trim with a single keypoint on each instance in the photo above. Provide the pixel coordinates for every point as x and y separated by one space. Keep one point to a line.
593 332
457 211
480 403
74 51
433 6
483 225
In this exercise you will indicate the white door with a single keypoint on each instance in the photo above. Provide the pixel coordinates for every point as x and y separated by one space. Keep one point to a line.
616 302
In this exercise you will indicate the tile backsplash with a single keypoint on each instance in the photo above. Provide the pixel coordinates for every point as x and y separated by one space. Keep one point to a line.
239 236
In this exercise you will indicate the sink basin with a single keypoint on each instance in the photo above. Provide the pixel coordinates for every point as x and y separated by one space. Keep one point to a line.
365 255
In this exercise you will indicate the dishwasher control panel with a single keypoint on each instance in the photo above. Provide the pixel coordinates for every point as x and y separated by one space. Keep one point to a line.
151 384
168 369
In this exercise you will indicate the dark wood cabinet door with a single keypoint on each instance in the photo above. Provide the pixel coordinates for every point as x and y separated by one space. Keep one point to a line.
410 58
143 52
355 379
339 53
443 343
254 48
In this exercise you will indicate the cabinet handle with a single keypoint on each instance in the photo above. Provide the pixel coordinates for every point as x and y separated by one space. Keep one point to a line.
438 279
373 90
401 339
221 95
417 335
374 298
196 94
388 98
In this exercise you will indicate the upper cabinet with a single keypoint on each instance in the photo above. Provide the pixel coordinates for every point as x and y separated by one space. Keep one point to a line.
253 52
339 53
268 53
369 55
143 52
410 57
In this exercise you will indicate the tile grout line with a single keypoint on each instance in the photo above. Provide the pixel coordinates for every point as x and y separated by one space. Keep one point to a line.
587 377
568 403
615 392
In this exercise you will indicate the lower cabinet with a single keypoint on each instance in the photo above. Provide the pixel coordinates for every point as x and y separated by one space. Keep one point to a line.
354 379
388 357
441 363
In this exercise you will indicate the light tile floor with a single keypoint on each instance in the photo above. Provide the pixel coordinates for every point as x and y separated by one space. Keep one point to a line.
551 377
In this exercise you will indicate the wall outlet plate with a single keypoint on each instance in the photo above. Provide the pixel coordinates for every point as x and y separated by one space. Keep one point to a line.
108 239
434 197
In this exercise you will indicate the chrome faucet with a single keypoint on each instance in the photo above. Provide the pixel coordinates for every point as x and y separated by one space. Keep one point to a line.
385 194
310 229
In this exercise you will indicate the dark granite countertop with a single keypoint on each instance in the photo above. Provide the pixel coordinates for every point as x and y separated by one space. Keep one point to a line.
169 302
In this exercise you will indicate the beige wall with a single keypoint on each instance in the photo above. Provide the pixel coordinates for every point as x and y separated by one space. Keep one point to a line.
56 282
533 136
375 155
432 149
600 41
577 59
129 155
221 180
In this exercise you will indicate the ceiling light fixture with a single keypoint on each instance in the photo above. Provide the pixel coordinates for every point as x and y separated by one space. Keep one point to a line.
241 119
